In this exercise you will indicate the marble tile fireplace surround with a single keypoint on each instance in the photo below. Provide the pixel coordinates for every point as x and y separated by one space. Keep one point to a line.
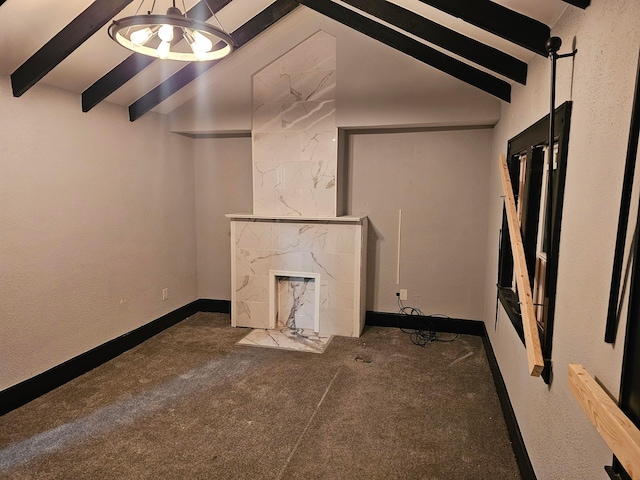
331 252
296 261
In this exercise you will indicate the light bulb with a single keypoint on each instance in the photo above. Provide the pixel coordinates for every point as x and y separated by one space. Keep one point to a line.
203 42
163 49
166 33
197 49
140 37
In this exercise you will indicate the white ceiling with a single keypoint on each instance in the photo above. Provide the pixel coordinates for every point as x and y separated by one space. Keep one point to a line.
25 26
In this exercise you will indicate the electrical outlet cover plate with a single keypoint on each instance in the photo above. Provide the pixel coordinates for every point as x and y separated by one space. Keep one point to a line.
403 294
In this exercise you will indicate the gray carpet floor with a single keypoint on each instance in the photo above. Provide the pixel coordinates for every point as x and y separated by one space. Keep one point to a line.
191 404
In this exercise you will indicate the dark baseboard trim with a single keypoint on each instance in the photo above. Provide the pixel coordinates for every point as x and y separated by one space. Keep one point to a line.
214 306
517 442
30 389
439 324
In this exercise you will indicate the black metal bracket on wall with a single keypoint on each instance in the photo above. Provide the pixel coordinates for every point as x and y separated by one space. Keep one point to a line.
616 475
552 45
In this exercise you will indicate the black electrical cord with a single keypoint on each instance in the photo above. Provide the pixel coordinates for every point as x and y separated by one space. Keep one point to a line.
423 331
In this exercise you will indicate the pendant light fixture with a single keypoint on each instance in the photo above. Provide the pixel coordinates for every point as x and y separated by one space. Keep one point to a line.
172 36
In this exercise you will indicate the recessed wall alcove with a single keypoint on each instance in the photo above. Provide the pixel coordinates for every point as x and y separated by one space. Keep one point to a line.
294 300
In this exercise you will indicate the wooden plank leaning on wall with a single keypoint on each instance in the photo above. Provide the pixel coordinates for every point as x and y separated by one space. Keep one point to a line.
615 428
529 324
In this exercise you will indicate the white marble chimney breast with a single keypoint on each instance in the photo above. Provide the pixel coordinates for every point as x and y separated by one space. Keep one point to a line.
295 233
294 132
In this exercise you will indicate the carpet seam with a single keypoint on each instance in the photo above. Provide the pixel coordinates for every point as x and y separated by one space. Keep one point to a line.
306 428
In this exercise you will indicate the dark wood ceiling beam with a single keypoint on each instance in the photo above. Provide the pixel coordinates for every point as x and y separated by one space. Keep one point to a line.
499 20
579 3
136 62
202 10
432 32
64 43
183 77
118 76
414 48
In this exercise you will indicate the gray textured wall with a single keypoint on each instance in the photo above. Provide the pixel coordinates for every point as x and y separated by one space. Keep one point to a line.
560 439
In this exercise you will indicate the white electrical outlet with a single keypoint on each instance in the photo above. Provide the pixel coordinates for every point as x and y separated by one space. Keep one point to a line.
165 293
403 294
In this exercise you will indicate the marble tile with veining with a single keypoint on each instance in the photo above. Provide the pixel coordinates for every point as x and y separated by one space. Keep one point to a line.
336 294
279 146
324 202
316 53
259 262
296 302
339 239
254 235
314 86
316 237
308 116
288 236
299 340
307 202
264 201
252 314
253 262
268 117
295 202
337 266
268 175
300 116
315 175
278 88
319 146
252 288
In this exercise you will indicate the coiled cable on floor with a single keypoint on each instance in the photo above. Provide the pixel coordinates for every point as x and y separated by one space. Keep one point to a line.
423 331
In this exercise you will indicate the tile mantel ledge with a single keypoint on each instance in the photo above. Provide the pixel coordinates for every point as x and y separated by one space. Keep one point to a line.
341 219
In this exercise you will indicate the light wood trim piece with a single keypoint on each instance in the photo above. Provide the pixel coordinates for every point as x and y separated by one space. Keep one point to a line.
615 428
529 324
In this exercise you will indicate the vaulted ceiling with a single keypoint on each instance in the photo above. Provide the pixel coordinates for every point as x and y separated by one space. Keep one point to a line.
484 43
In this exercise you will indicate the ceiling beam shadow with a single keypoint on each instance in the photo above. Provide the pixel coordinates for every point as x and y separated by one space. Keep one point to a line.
492 17
579 3
414 48
183 77
136 62
432 32
64 43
